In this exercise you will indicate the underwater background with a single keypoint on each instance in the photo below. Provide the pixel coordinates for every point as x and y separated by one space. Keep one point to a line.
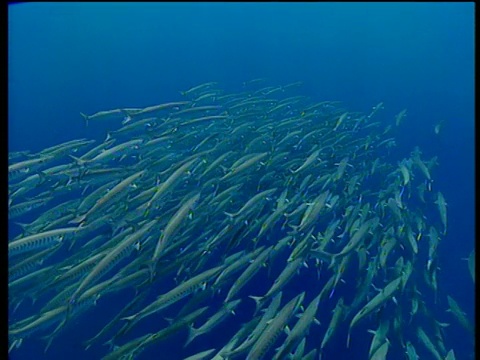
68 58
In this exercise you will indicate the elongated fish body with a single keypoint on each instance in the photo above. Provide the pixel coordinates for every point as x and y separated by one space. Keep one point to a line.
172 179
274 329
411 352
381 353
40 241
201 355
112 258
450 355
308 161
249 272
25 207
213 203
376 302
250 204
338 314
174 295
235 170
22 169
216 319
425 340
300 329
105 115
117 190
269 313
442 208
471 264
285 276
115 151
459 314
379 337
173 225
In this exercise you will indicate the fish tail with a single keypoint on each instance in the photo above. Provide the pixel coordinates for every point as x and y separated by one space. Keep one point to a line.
48 339
110 343
293 227
23 226
15 344
85 117
127 118
230 215
333 261
191 335
151 269
79 162
77 220
130 318
258 302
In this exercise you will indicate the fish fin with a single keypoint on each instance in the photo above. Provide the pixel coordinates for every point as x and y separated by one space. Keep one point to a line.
17 305
331 293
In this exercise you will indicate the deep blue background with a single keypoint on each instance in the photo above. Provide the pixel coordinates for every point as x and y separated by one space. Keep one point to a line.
66 58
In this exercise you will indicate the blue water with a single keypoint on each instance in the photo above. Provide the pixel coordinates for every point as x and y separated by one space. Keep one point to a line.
69 58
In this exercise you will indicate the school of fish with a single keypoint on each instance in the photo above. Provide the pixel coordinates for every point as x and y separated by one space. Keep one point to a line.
188 208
